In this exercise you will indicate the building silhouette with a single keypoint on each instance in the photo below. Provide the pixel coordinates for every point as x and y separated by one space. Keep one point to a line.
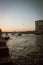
39 26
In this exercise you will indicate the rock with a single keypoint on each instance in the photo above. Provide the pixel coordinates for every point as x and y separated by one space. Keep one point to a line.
5 58
2 42
4 51
0 32
6 38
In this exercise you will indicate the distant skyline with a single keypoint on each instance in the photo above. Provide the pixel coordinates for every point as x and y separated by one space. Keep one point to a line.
20 15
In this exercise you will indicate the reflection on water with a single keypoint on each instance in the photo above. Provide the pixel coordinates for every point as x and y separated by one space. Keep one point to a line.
26 49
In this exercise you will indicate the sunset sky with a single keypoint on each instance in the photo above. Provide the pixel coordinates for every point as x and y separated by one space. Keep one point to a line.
20 15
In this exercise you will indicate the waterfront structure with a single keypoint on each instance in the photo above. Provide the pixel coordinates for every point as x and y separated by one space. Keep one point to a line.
39 26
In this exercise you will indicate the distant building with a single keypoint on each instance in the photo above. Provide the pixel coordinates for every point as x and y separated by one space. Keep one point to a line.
39 25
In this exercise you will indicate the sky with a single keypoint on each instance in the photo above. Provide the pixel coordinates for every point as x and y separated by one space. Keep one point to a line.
20 15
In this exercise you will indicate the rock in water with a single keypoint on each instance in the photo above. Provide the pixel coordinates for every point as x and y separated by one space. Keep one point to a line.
5 58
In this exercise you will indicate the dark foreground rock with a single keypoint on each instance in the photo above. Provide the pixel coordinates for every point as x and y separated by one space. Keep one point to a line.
5 58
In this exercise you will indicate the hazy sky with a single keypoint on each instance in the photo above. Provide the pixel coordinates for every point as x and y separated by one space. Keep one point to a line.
20 15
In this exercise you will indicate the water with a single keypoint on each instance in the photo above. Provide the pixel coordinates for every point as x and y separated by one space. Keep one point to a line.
26 49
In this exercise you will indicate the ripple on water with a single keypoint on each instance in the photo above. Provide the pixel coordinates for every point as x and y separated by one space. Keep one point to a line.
24 46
